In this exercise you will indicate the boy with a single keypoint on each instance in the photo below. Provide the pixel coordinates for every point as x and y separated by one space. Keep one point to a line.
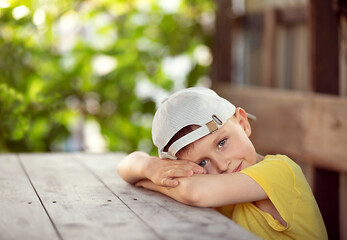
219 167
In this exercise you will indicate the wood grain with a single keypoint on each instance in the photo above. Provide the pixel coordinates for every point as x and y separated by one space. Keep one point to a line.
168 218
309 127
79 204
21 213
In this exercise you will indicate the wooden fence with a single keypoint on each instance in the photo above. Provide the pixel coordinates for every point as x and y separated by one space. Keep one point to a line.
288 67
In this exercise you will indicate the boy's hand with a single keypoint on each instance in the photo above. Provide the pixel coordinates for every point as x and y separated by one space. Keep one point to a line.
163 172
138 166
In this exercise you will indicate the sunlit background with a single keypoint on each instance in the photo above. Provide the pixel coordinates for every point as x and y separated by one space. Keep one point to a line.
88 75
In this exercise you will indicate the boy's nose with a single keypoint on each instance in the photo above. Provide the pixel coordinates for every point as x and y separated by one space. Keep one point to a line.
222 165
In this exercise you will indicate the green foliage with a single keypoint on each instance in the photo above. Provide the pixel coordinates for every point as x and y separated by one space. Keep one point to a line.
66 63
13 123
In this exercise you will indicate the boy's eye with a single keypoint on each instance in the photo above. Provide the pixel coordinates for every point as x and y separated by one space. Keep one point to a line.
203 163
221 143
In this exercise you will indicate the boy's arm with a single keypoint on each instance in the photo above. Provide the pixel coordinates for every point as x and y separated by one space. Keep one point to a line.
212 190
132 167
139 166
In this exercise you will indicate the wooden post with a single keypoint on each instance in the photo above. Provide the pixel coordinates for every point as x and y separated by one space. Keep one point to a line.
324 44
343 205
324 77
221 66
269 41
343 92
343 56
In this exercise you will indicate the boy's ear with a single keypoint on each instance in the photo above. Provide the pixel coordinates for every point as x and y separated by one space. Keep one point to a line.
241 117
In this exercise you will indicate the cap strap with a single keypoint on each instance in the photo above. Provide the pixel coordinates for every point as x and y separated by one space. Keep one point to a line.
192 137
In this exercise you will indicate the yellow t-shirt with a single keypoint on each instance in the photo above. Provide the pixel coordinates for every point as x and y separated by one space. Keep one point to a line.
287 188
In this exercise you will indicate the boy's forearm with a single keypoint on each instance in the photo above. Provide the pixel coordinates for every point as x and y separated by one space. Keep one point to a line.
204 190
189 191
200 190
132 168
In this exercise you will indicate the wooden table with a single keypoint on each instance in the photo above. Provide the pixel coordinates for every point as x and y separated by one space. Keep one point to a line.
80 196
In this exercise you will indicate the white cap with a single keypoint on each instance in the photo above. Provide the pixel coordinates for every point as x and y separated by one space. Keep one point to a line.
191 106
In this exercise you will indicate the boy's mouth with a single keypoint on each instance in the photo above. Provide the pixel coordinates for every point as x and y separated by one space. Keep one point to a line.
238 168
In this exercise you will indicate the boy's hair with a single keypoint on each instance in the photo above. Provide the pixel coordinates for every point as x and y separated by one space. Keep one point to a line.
181 133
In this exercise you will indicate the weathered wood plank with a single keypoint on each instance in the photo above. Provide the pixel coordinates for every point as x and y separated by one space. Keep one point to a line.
309 127
22 215
288 16
170 219
80 206
292 15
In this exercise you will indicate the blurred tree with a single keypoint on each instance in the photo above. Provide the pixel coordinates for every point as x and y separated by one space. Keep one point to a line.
69 66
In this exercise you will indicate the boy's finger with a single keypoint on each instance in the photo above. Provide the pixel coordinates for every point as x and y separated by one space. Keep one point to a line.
187 163
140 183
170 183
190 170
146 184
179 173
198 170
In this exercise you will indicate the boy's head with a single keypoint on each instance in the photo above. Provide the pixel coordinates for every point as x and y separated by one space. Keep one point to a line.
187 116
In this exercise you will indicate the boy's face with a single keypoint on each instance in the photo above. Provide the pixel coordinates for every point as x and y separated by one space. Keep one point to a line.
229 149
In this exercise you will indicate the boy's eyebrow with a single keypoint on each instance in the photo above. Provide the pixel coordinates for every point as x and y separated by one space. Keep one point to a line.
216 138
214 142
217 135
